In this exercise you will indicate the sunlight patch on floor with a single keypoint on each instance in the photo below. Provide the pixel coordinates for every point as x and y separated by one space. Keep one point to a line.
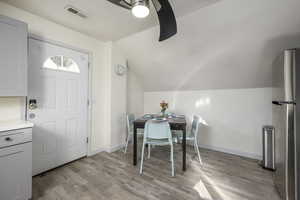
202 191
207 190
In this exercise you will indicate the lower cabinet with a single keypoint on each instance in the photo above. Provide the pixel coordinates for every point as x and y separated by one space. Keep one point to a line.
16 171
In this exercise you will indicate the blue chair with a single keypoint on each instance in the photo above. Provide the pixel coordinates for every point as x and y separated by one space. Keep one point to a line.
129 124
192 135
157 133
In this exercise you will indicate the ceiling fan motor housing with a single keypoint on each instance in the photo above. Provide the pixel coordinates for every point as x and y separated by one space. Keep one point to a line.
140 3
164 10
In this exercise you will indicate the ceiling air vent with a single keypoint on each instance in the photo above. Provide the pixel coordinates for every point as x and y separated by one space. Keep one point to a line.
75 11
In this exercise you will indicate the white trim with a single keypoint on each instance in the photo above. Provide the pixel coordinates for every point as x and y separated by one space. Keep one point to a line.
94 152
233 152
23 108
57 43
116 148
223 150
90 106
108 150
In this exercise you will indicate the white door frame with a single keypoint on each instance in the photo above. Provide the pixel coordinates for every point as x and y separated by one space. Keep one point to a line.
90 69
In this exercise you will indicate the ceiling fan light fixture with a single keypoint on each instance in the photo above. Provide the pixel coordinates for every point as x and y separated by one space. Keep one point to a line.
140 8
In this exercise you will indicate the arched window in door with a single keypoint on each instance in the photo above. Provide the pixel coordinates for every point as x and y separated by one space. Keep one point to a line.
61 63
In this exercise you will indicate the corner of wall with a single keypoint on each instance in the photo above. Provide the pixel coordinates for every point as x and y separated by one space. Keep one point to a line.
108 46
117 99
135 98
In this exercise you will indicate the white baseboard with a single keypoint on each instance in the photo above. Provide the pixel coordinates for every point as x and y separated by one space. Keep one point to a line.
234 152
109 150
91 153
224 150
116 148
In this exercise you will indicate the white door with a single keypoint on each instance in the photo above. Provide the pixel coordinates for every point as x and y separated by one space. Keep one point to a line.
58 86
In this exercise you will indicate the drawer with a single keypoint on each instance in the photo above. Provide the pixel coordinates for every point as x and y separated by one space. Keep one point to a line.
14 137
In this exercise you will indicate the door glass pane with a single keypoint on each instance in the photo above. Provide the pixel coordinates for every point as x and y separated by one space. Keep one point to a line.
61 63
56 60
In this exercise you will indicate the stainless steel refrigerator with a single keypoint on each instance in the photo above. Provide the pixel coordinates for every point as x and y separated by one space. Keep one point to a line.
286 88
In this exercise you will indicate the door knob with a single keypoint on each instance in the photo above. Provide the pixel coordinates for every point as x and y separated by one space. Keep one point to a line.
32 104
8 139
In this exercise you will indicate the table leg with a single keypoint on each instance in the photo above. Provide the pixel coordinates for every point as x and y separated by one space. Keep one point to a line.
134 145
184 149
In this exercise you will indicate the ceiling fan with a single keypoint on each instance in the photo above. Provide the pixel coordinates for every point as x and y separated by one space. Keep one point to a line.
140 9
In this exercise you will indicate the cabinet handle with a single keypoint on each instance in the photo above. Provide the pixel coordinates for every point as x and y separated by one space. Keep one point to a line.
10 154
8 139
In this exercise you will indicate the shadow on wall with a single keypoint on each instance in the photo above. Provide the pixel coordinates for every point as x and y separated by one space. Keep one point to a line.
196 5
275 46
271 51
278 44
217 69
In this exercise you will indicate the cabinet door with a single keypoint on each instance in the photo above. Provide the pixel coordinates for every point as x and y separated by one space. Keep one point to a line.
15 173
13 57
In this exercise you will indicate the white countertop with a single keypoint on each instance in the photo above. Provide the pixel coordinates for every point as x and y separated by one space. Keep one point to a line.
14 124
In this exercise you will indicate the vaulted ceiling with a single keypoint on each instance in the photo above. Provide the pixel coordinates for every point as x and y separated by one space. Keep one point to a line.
105 21
221 44
229 44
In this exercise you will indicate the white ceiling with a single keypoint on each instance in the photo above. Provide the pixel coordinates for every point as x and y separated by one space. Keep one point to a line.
230 44
225 44
105 21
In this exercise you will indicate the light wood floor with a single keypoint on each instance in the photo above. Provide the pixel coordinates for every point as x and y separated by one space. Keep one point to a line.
112 176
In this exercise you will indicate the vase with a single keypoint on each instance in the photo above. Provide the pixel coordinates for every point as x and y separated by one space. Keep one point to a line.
163 113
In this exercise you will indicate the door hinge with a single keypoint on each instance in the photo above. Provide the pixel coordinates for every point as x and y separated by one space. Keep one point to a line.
87 140
88 102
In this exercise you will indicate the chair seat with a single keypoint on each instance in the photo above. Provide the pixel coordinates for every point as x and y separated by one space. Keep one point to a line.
187 138
139 132
160 142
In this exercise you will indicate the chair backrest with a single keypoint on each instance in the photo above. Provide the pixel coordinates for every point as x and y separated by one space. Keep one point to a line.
148 116
195 126
129 120
157 130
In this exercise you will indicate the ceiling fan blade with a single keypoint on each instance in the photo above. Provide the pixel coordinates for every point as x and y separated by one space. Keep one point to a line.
156 4
167 20
122 3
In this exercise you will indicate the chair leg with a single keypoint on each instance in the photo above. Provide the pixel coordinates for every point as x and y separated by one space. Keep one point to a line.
172 160
142 159
197 151
127 141
149 151
176 139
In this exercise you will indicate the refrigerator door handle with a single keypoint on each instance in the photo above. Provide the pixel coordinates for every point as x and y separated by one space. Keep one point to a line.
277 103
280 103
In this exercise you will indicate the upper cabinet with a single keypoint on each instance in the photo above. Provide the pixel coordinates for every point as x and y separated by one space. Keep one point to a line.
13 57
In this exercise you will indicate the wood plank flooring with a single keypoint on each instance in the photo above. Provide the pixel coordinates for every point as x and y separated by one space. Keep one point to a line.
111 176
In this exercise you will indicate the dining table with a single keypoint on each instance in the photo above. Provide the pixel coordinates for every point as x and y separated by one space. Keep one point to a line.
176 123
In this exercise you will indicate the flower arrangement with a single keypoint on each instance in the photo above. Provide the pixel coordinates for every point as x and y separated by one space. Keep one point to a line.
164 107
